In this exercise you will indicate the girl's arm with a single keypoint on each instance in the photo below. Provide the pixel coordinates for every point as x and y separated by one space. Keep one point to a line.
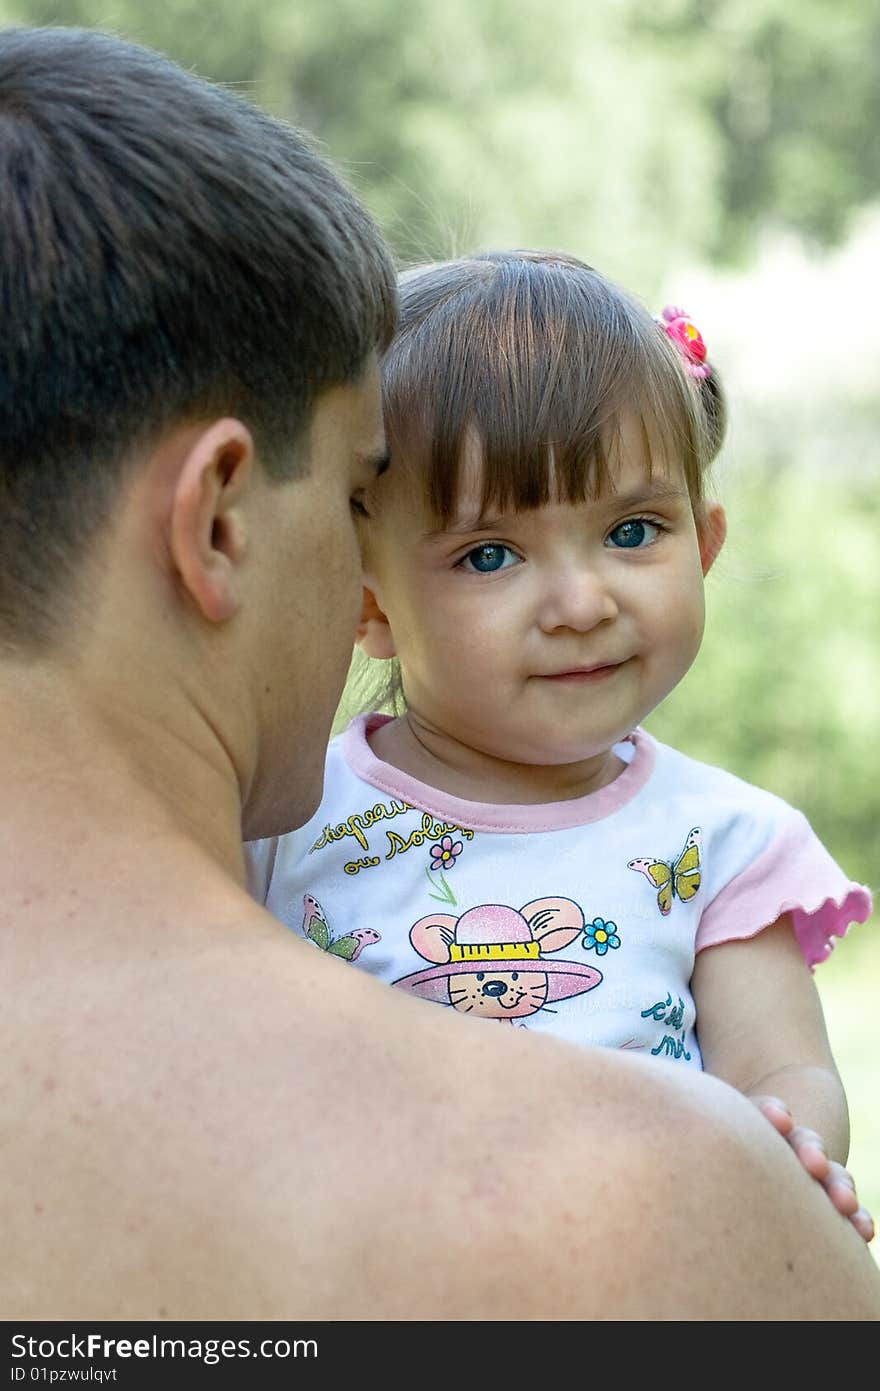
761 1028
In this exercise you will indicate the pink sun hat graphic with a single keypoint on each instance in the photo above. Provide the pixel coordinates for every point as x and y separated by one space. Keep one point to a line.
494 937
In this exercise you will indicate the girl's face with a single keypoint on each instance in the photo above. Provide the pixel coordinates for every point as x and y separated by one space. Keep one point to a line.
540 638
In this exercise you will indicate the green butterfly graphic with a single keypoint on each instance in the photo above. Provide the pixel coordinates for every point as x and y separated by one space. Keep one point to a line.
349 946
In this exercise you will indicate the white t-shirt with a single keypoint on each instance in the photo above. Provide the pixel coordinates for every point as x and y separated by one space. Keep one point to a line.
581 918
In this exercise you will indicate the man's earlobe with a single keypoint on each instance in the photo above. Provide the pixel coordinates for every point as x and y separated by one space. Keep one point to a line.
711 533
208 535
374 635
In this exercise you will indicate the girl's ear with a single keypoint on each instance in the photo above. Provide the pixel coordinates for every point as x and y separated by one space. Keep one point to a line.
374 635
711 533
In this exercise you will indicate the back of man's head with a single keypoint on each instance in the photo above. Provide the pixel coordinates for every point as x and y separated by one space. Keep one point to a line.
167 252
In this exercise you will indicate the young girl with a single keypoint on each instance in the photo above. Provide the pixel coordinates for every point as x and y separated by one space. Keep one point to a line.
512 844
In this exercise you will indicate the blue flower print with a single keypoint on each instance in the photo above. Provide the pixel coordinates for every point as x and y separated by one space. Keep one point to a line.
600 935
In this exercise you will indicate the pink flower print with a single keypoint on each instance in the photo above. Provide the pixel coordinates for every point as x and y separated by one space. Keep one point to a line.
444 855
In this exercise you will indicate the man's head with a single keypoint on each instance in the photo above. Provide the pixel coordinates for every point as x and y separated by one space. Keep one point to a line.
189 409
168 254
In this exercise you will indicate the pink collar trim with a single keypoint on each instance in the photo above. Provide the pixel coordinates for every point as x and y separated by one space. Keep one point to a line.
485 816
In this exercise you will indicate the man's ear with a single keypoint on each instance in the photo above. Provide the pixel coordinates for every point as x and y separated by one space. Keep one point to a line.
207 530
711 533
374 635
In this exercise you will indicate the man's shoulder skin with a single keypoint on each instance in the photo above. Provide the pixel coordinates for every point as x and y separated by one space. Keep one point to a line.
248 1128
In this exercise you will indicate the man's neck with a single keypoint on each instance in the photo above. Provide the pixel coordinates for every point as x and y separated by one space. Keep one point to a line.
78 771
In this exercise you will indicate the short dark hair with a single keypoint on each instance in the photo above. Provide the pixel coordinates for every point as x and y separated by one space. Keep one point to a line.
167 251
539 354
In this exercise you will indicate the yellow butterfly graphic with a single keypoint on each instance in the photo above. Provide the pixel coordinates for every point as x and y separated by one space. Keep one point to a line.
681 879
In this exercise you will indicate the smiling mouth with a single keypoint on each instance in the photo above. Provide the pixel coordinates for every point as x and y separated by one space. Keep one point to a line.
585 674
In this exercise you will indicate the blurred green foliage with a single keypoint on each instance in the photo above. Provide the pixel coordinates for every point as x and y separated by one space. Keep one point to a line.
636 133
784 690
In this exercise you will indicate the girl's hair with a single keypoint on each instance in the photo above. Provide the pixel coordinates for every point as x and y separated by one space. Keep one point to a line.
539 356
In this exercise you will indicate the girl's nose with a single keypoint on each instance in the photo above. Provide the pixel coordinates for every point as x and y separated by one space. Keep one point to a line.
576 598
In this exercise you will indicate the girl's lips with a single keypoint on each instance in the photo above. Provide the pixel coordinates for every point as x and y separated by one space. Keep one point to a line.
585 674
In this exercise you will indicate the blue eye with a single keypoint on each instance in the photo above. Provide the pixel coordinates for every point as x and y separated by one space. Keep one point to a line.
486 560
634 534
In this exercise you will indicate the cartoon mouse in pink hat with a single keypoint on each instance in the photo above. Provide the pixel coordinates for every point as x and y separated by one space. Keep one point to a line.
492 960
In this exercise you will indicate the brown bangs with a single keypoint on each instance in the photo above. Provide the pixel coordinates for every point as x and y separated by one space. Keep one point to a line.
540 357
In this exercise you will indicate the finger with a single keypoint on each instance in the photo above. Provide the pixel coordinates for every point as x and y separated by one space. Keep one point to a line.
810 1150
776 1111
841 1190
863 1223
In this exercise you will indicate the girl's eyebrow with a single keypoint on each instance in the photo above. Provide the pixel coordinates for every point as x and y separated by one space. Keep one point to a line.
464 526
651 492
635 498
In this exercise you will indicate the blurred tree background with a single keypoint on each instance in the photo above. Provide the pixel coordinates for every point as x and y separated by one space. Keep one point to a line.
639 131
723 154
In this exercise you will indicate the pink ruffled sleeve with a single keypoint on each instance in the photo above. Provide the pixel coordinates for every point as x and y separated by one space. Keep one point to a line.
794 874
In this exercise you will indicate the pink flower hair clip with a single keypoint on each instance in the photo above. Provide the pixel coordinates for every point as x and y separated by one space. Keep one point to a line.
687 338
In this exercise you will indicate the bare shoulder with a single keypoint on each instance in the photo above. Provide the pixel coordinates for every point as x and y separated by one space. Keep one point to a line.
449 1169
551 1183
675 1200
246 1127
